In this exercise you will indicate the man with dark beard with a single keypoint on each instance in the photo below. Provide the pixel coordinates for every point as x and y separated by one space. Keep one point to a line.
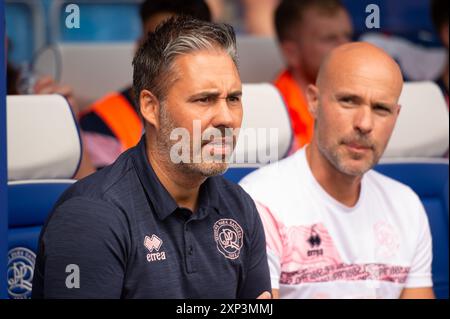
334 227
150 225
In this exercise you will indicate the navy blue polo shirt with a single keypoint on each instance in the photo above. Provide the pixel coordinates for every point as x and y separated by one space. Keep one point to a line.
119 234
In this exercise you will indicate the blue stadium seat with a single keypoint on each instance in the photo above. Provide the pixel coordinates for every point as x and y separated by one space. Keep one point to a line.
95 21
430 182
414 157
25 27
235 174
44 152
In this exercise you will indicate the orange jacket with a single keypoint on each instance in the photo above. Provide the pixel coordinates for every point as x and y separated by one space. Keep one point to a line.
121 118
301 119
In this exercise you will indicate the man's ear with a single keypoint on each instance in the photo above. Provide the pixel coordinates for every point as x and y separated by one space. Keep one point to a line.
312 94
399 109
291 53
149 106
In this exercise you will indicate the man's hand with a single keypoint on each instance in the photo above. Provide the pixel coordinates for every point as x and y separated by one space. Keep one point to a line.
265 295
417 293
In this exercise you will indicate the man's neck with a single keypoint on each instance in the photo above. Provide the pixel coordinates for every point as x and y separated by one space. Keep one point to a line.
183 189
302 80
344 188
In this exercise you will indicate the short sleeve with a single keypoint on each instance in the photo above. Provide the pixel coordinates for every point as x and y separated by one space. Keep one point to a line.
274 243
420 272
84 242
258 276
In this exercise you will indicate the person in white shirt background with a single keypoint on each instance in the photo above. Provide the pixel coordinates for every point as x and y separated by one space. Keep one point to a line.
334 227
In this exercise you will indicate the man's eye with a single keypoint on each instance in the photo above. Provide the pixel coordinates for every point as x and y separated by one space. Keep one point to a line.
347 100
382 109
234 99
204 100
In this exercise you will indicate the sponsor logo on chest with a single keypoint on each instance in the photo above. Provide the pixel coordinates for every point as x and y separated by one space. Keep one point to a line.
154 244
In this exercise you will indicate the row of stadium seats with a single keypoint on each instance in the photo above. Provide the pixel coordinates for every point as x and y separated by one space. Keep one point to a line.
44 151
46 19
94 69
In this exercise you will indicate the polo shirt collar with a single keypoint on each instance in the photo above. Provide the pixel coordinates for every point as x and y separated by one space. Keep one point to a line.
161 200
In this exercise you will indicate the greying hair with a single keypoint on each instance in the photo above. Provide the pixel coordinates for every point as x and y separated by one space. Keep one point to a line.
153 62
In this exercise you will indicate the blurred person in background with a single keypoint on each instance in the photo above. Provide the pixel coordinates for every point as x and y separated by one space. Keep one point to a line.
254 17
19 83
259 16
307 31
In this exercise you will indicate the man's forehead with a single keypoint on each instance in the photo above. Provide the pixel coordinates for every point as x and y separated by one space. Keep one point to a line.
315 13
206 67
320 23
360 65
374 91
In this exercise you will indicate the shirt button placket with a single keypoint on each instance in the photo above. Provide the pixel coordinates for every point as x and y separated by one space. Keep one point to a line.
189 250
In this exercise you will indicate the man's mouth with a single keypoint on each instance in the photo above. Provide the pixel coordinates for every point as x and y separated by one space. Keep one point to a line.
221 146
358 147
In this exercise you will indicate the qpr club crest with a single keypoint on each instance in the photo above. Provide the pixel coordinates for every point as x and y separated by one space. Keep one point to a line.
20 272
229 237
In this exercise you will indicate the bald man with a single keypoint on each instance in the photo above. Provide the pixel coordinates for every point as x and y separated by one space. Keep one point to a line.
334 227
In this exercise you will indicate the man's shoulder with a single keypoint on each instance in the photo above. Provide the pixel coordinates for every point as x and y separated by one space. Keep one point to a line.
275 178
105 185
392 190
230 190
97 203
389 183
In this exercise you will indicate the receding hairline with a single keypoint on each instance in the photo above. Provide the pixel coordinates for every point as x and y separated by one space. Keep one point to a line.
172 73
177 36
360 48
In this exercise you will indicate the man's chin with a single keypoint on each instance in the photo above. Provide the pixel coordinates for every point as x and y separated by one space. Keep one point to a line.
356 169
214 169
208 169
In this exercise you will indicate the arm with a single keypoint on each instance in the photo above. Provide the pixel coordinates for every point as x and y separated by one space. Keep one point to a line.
273 246
86 167
257 282
275 293
417 293
419 283
93 237
259 16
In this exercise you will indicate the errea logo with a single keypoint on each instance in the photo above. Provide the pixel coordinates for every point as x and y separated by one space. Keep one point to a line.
153 245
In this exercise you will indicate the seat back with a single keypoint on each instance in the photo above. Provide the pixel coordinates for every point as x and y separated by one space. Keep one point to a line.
414 157
266 133
260 59
422 126
95 69
92 69
44 151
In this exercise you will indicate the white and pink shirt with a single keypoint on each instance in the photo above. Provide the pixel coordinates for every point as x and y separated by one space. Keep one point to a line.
319 248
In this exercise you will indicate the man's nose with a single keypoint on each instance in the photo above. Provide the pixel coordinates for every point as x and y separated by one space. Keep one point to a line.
364 121
223 114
